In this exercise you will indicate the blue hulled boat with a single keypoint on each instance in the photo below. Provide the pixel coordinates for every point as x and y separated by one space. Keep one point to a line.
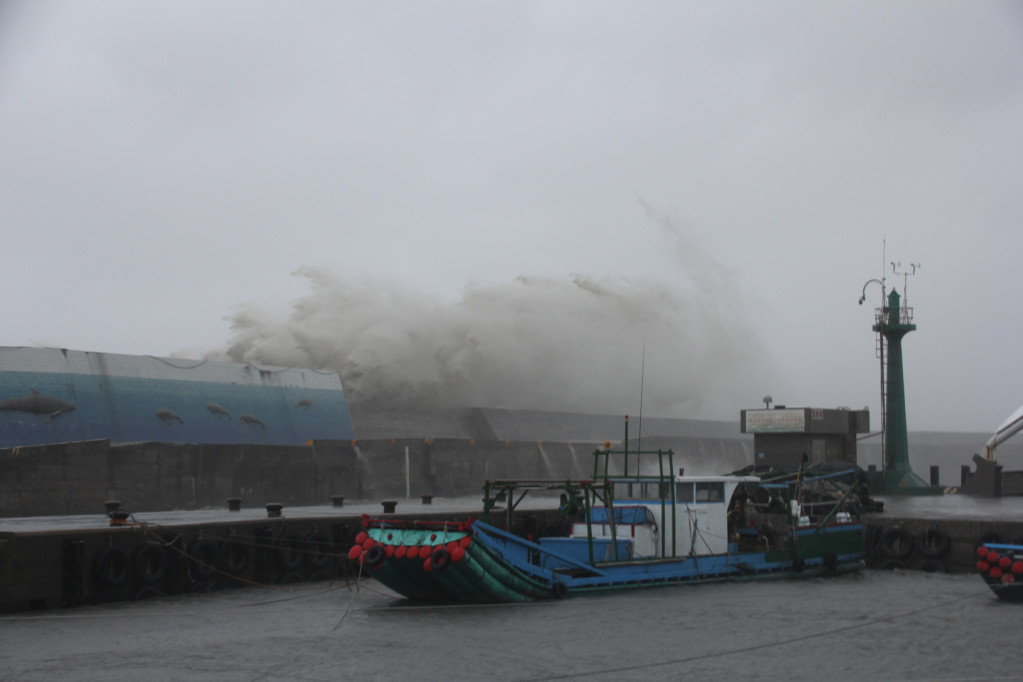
635 523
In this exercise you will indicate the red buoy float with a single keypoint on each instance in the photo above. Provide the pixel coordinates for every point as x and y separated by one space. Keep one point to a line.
982 552
996 573
428 565
983 566
457 554
1004 562
1017 567
361 537
355 552
1008 579
465 542
389 551
400 552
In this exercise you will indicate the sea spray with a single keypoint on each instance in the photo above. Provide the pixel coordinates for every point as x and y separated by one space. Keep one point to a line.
570 344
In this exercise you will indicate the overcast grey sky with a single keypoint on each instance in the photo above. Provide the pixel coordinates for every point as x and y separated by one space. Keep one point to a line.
502 203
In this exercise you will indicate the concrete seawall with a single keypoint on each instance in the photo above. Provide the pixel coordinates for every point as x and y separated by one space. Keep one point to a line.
76 478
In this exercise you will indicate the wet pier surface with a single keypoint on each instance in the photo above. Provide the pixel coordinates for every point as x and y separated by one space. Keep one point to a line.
354 508
875 625
954 507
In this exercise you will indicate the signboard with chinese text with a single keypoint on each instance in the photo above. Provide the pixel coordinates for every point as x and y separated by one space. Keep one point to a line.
775 421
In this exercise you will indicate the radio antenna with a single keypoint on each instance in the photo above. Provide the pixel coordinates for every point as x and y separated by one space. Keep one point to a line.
642 377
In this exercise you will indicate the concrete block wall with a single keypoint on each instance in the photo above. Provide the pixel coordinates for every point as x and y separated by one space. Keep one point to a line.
76 478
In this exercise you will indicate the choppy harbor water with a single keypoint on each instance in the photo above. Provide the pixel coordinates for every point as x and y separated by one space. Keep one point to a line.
870 626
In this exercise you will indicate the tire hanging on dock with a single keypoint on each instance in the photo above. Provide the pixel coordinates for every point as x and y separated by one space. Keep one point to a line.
205 556
931 566
290 553
934 543
317 550
150 563
234 556
896 543
111 567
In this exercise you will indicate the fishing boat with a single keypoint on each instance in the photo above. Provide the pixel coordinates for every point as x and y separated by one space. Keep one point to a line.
635 523
1001 567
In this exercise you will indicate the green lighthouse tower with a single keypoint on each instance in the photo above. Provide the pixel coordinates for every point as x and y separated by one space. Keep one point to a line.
893 322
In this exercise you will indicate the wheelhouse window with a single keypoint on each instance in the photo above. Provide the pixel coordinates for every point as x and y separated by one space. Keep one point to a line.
710 492
635 490
684 493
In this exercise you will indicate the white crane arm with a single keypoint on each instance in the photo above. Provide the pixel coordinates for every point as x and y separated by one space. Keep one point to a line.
1007 430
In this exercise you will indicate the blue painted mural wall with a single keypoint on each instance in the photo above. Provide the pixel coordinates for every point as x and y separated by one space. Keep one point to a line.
50 395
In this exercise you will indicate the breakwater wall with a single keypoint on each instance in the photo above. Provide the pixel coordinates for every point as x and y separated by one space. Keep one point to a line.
76 478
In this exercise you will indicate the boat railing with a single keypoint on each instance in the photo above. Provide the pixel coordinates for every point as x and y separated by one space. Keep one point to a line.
610 467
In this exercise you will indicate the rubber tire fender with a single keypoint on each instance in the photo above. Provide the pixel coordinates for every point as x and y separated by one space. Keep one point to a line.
150 563
206 552
112 566
440 559
290 553
234 556
317 550
374 556
934 543
896 543
559 590
931 566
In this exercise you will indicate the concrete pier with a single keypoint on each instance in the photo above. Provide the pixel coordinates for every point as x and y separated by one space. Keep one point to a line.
66 561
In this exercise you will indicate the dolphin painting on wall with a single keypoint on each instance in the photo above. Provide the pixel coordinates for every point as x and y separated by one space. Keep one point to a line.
37 403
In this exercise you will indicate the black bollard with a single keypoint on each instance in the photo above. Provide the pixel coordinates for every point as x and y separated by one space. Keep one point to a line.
273 510
234 504
119 518
338 500
112 506
389 506
427 499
